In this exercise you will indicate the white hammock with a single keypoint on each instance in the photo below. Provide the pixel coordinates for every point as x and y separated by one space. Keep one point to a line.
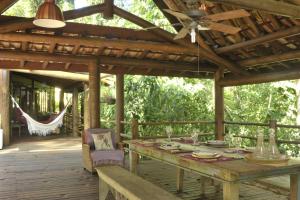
35 127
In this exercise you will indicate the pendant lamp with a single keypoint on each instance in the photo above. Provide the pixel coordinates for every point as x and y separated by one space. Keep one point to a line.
49 15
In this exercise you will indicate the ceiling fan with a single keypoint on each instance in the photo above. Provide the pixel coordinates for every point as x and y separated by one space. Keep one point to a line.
198 19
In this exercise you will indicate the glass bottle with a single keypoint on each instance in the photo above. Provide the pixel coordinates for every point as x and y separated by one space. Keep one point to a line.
273 149
260 146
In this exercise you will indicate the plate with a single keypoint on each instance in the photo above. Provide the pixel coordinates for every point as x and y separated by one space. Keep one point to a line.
205 155
217 143
169 146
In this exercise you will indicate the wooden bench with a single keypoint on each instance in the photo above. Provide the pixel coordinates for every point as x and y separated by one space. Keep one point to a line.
125 185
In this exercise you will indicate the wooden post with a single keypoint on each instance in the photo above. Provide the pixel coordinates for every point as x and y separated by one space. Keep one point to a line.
134 129
179 179
219 106
53 99
75 113
294 187
5 105
36 102
133 157
94 95
86 114
31 98
273 125
61 100
119 105
108 12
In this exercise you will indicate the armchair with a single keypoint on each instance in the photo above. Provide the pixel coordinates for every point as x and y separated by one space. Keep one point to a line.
92 157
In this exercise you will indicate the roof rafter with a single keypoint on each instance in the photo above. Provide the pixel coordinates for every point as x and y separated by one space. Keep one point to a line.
169 36
6 4
95 30
292 55
260 40
262 78
270 6
26 23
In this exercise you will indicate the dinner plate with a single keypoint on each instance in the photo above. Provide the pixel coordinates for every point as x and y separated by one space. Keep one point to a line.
206 155
169 146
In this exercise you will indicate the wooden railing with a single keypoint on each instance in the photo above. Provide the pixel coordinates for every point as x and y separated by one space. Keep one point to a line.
135 133
272 124
134 128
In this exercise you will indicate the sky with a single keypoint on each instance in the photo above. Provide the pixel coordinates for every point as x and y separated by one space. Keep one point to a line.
80 3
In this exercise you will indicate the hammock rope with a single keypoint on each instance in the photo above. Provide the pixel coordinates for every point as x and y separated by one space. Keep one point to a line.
38 128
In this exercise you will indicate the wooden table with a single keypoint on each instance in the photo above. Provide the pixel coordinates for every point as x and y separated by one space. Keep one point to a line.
230 173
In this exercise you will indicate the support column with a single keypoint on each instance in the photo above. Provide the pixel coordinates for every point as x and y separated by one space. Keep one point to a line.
86 114
94 95
61 100
119 105
5 105
219 106
75 113
31 98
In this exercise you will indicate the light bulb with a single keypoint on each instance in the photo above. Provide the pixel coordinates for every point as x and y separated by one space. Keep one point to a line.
193 35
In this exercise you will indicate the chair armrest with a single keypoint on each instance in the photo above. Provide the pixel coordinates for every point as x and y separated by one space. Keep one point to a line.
86 150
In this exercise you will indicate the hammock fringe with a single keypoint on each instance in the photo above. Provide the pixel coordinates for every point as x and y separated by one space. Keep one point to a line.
38 128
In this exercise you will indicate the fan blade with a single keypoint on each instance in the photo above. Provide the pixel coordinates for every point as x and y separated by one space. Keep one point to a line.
182 33
223 28
177 14
228 15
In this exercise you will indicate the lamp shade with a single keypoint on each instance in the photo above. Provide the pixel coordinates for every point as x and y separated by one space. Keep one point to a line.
49 15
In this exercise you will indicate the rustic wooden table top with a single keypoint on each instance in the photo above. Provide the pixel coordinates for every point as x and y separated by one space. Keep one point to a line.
234 170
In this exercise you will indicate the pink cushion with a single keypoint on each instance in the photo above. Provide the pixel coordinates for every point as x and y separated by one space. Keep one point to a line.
108 157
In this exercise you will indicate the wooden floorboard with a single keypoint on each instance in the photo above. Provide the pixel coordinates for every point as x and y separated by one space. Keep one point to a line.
52 169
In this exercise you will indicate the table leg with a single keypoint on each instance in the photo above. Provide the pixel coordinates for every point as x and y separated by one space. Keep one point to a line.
103 190
231 191
179 179
133 161
295 187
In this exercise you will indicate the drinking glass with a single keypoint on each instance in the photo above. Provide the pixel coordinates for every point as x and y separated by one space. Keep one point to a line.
169 131
194 136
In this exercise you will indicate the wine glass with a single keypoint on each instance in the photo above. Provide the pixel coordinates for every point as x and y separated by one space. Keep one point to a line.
194 136
169 131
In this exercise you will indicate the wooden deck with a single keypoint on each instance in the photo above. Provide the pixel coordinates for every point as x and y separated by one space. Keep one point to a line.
51 169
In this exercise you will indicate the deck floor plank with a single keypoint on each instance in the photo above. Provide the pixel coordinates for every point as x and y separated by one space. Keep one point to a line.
52 169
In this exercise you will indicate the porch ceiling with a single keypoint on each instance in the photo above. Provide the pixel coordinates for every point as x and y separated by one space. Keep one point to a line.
267 45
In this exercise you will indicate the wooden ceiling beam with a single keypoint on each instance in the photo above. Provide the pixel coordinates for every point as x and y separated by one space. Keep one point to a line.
170 37
96 30
26 23
147 63
260 40
292 55
46 59
262 78
270 6
6 4
98 42
34 65
6 64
